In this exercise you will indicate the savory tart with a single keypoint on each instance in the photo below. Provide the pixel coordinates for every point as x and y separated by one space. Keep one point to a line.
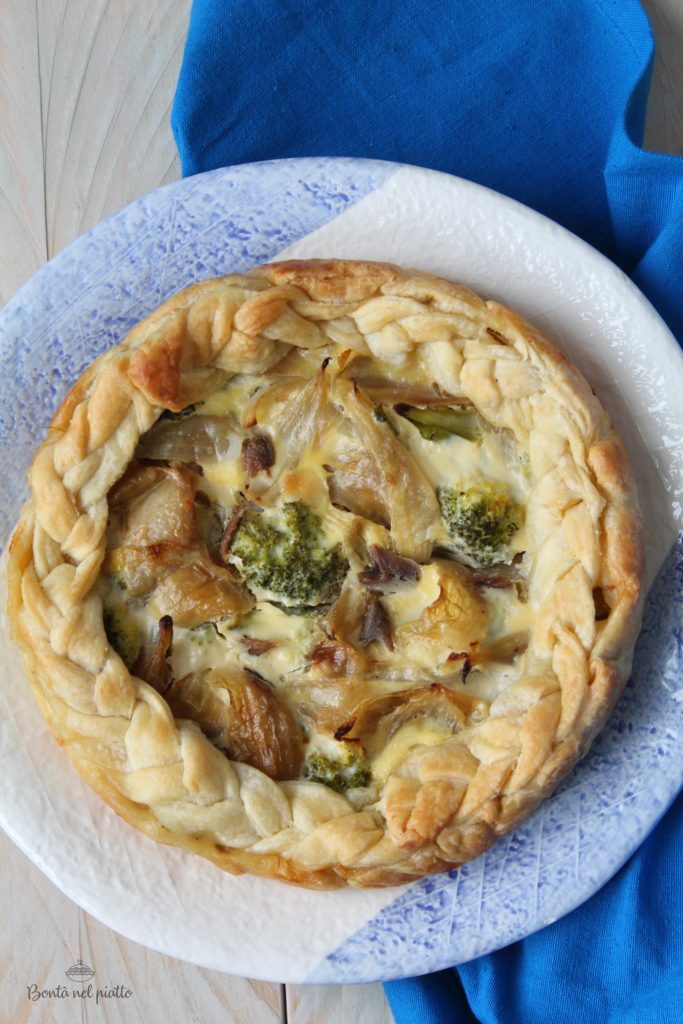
330 572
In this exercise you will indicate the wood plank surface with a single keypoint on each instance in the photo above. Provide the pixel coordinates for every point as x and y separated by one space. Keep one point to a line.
337 1004
108 70
22 200
86 88
42 934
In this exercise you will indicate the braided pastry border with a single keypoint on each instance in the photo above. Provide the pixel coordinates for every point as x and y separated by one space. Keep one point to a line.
444 805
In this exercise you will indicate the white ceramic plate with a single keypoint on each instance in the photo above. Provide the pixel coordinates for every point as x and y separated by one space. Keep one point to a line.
85 300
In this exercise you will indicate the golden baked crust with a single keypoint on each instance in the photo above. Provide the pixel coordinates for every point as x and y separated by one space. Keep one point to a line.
449 796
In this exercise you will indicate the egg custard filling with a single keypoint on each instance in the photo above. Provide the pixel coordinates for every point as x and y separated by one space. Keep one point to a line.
252 538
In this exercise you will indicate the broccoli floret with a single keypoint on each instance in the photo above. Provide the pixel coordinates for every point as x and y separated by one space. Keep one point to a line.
481 520
350 771
122 634
283 554
441 421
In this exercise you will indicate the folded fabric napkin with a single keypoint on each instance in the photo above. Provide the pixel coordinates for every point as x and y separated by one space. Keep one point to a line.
543 100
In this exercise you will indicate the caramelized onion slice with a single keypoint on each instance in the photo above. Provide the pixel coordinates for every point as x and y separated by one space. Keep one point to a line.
343 621
152 505
151 662
238 712
200 592
338 654
380 718
407 495
456 621
190 439
350 488
138 570
502 651
297 411
325 697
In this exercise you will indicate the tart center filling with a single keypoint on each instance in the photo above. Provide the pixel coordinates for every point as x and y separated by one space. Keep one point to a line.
324 569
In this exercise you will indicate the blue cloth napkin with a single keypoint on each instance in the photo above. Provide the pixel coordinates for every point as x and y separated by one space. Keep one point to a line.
545 101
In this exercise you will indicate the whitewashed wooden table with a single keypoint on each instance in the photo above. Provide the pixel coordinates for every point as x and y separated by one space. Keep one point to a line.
86 88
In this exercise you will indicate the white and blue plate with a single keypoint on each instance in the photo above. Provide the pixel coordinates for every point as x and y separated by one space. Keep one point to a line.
86 300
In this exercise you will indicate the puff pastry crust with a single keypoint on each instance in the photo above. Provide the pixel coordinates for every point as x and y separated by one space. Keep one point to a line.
459 746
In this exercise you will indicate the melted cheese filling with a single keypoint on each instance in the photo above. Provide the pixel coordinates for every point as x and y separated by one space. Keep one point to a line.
444 463
407 602
454 458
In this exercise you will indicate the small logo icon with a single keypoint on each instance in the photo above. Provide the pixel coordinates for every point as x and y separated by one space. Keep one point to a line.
80 972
